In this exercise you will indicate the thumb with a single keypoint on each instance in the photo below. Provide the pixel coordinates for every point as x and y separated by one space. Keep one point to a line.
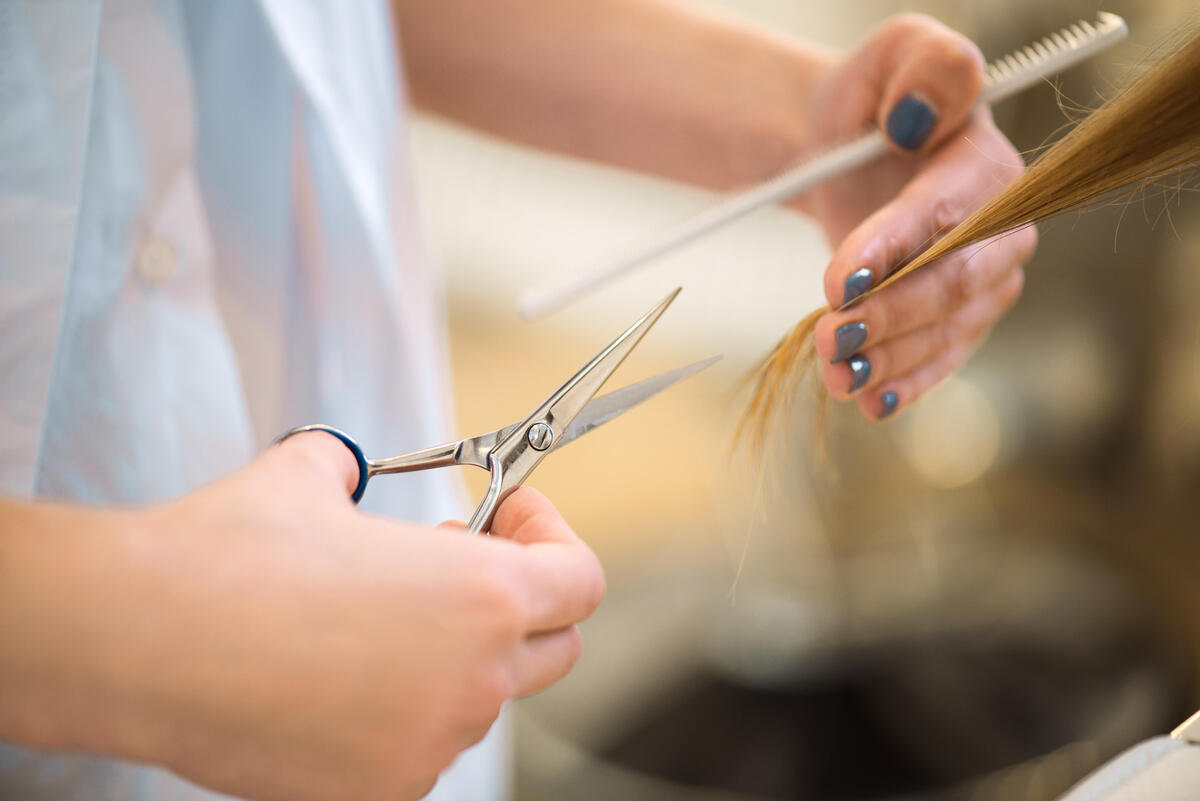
931 82
325 456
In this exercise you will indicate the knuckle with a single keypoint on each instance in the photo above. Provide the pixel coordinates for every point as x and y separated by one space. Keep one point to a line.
830 376
976 272
957 57
491 685
542 522
835 287
597 586
947 212
962 59
895 251
572 650
496 686
319 457
880 317
310 451
964 282
939 369
971 328
944 337
956 285
909 24
1014 288
1008 164
881 362
940 374
524 508
1012 168
978 330
1027 243
953 359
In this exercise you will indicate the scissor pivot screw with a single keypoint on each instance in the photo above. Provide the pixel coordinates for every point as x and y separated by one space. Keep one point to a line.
540 436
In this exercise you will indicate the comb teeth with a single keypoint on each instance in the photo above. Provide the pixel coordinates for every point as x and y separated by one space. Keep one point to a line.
1072 37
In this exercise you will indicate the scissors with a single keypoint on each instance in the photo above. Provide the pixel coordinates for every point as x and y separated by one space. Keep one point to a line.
511 453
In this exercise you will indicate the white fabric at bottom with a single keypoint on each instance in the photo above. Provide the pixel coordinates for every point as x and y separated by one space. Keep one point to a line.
1162 769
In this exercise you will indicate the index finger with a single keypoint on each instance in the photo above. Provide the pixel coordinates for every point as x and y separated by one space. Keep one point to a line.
527 516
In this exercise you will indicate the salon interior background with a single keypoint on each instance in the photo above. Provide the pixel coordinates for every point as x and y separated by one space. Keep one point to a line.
988 597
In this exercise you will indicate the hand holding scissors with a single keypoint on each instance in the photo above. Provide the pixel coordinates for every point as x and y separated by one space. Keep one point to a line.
511 453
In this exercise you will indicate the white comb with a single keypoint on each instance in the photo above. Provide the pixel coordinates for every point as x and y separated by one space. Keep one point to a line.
1002 78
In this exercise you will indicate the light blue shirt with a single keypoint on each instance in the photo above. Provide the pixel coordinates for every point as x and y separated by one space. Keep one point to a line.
207 236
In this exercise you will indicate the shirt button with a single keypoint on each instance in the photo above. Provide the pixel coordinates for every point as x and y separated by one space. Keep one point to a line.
156 261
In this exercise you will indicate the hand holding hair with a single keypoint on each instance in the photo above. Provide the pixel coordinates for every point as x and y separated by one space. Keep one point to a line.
1147 132
919 82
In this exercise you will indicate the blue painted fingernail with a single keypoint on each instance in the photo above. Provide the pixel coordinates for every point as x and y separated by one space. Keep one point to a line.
910 122
890 401
860 369
850 338
858 282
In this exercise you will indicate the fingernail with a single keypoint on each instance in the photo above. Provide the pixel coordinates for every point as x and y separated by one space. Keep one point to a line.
858 282
860 369
910 122
890 401
850 338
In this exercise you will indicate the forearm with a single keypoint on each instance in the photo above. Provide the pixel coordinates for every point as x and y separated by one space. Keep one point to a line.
65 629
653 85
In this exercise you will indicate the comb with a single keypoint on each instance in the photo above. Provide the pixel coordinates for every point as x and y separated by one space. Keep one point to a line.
1002 78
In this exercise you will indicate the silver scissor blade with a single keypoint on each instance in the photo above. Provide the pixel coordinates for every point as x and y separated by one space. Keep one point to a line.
600 410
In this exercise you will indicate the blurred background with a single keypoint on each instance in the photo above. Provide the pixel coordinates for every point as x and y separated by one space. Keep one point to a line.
983 599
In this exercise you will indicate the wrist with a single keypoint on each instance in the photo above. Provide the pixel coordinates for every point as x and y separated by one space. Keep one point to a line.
770 116
71 639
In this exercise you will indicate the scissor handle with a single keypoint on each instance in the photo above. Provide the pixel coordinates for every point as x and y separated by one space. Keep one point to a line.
359 458
498 490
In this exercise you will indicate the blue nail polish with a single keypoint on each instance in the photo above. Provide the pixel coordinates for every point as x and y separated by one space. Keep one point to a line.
890 402
910 122
860 368
857 283
849 338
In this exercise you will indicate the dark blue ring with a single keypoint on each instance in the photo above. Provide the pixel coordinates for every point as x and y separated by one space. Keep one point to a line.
356 496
